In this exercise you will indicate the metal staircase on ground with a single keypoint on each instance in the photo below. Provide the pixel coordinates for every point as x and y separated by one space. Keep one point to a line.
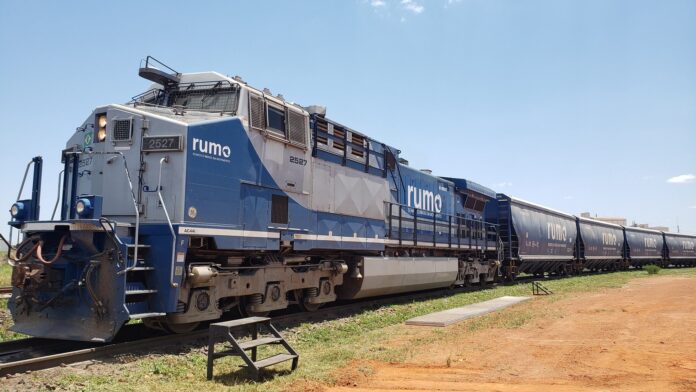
223 331
540 289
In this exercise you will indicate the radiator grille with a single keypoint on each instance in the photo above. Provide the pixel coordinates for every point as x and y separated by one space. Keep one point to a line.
257 114
122 130
204 97
297 127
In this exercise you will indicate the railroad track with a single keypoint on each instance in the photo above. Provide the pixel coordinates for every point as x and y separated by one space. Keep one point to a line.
33 354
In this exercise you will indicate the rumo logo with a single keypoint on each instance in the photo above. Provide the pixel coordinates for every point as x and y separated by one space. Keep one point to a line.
609 239
216 149
555 232
687 245
423 199
650 242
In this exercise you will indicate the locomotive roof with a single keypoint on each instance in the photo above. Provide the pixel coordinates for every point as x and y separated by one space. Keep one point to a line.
465 184
212 76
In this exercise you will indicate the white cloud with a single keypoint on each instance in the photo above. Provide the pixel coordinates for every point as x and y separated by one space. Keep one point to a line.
568 197
503 184
412 6
682 179
692 207
378 3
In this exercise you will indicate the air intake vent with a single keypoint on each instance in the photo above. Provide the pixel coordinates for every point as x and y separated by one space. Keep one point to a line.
297 127
122 130
279 209
256 113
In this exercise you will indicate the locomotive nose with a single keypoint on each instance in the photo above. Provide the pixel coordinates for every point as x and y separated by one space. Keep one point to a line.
62 277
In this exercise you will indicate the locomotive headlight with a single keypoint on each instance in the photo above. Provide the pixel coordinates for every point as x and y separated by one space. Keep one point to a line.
83 207
18 210
101 124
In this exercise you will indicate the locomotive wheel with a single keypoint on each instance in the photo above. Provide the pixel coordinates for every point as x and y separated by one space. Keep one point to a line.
180 328
171 327
482 280
245 309
304 306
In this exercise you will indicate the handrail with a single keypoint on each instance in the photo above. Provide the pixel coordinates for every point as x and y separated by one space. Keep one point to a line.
24 179
154 60
60 182
169 221
478 232
19 195
137 216
135 201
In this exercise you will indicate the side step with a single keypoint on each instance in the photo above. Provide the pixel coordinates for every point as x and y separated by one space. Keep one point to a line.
223 332
138 316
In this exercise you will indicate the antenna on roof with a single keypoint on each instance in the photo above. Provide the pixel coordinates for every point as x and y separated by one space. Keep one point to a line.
316 109
151 72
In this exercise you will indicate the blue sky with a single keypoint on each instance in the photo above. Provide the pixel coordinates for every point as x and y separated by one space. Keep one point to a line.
577 105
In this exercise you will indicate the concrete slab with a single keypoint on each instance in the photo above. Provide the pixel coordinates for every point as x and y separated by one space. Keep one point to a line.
451 316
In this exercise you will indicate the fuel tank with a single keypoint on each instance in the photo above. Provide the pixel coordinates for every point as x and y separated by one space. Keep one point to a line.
393 275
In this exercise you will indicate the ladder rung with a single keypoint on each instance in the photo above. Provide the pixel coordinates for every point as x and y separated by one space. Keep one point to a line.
137 316
142 269
240 322
258 342
274 359
139 245
137 292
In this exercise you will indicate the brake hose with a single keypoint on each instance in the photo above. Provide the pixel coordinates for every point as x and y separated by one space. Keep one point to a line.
59 251
13 262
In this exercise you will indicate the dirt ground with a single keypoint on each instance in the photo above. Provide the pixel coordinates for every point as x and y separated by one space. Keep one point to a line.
641 337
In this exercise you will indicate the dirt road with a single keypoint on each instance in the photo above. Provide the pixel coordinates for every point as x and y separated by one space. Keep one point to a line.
641 337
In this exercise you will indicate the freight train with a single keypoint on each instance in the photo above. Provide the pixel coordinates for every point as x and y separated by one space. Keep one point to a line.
204 195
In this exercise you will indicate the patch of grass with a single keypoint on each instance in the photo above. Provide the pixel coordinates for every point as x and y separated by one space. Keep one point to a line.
6 323
5 272
373 334
652 269
5 318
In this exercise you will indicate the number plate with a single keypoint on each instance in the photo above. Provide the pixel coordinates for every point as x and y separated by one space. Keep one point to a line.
162 143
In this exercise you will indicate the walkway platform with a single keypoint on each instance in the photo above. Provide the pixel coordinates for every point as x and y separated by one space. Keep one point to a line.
451 316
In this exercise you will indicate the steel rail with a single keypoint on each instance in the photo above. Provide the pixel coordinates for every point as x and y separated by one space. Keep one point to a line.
97 351
331 311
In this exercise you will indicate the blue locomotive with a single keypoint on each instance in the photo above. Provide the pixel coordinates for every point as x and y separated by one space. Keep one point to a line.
204 195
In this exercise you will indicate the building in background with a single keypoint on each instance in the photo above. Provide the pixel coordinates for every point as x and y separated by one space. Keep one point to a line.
609 219
647 226
617 220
